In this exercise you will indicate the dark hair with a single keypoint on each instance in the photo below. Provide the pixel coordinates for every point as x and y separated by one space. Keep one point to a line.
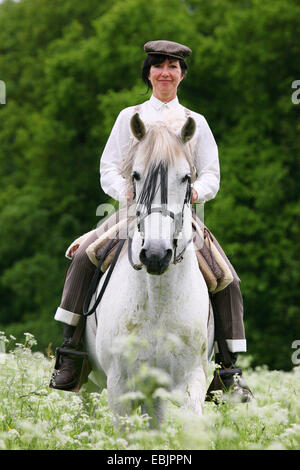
154 59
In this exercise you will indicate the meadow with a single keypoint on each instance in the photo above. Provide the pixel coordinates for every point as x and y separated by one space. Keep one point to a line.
35 417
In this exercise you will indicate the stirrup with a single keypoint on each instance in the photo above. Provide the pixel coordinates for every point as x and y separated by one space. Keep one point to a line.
84 367
228 385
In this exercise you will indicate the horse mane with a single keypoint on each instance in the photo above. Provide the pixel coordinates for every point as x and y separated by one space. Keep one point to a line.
150 186
161 146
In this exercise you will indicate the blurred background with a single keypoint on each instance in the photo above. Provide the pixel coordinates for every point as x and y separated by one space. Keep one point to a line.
70 66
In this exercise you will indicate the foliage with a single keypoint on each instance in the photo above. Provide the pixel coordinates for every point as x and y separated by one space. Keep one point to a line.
35 417
71 66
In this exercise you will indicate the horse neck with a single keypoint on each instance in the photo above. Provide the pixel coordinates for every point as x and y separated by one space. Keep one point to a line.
163 291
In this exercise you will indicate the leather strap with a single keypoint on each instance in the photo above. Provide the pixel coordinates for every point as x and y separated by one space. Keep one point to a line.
97 276
78 333
222 344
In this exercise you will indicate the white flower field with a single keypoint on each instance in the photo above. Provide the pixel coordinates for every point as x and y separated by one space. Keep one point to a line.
35 417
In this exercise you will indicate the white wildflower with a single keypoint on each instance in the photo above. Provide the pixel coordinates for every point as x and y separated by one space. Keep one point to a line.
30 340
2 445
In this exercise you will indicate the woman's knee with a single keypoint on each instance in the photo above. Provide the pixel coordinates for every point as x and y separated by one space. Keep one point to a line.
80 257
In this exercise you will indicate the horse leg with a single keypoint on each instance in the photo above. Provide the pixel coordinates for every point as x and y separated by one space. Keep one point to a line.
116 388
97 378
195 390
156 410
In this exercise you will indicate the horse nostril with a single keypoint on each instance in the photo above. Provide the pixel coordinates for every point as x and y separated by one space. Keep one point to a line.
168 255
143 257
155 262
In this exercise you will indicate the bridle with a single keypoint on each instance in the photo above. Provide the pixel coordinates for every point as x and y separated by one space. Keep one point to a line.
178 219
163 210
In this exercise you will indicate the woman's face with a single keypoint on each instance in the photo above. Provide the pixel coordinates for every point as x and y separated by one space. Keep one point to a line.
165 78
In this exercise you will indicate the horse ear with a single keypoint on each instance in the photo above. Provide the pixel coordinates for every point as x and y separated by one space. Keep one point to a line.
137 127
188 130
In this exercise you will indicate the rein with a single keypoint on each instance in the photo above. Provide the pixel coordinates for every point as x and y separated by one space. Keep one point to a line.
97 276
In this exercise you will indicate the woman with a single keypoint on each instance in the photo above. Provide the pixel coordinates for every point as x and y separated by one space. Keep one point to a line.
163 70
163 73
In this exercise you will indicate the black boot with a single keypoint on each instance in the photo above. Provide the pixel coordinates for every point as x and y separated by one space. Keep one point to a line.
228 383
68 368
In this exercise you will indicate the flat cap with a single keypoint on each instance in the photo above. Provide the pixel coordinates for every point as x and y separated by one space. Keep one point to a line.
169 48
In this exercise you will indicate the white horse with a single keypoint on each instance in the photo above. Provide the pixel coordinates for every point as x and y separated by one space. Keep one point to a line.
164 302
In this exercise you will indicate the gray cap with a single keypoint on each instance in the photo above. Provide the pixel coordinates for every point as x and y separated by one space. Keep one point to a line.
169 48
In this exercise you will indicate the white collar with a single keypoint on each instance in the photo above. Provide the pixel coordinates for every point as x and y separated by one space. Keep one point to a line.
157 104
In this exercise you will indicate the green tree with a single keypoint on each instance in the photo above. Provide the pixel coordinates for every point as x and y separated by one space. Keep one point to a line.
71 66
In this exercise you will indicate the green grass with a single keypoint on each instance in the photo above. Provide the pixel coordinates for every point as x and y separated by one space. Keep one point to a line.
33 416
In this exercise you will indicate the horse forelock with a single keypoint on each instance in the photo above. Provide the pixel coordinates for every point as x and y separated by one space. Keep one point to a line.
161 145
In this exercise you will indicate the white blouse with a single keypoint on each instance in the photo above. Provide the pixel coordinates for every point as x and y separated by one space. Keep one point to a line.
204 148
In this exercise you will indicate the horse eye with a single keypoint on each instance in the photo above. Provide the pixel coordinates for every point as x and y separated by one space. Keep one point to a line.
136 176
186 178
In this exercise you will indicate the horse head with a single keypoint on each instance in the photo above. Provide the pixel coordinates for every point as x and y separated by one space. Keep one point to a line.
161 173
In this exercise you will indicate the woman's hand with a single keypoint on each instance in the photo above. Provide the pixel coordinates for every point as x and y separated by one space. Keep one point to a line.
194 195
129 194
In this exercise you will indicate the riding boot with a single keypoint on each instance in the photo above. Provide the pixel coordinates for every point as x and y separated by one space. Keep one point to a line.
69 367
228 383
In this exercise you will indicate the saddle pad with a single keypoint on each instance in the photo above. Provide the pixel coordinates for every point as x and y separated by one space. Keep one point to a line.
206 253
109 222
227 276
207 273
213 266
111 233
110 255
